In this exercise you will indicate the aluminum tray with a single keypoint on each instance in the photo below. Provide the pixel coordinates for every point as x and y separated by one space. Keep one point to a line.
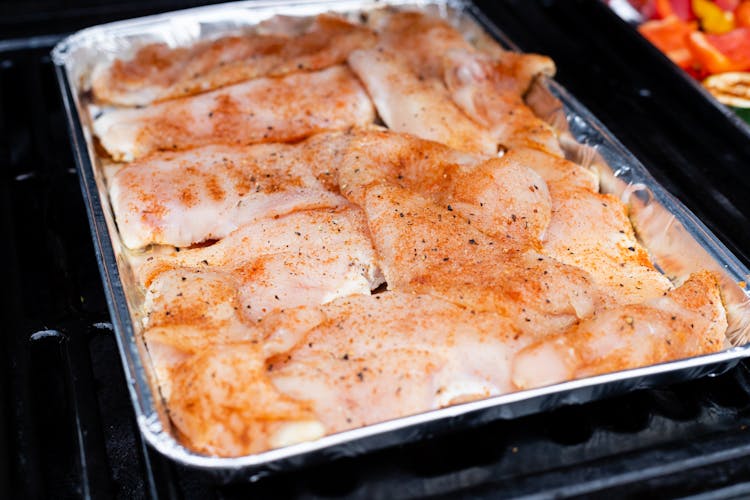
679 243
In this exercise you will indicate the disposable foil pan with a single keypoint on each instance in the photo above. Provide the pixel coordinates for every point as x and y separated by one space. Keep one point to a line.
678 242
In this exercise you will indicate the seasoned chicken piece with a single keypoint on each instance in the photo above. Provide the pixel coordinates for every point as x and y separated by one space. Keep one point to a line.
491 93
194 308
200 297
187 311
307 257
424 40
489 88
592 231
158 72
224 403
426 248
364 359
423 108
421 39
506 71
151 74
554 170
687 321
187 197
501 199
260 110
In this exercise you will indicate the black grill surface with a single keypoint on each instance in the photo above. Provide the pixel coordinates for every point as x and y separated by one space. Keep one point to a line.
67 428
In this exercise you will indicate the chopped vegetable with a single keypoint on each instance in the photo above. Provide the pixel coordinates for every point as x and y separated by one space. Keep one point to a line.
742 14
722 53
728 5
681 9
670 36
703 37
708 55
713 19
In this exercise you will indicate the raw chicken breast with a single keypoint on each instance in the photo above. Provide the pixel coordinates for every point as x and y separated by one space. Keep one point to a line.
603 244
158 72
224 403
501 199
365 359
188 311
260 110
304 258
426 248
218 294
421 39
188 197
592 231
423 108
491 93
489 88
191 309
687 321
554 170
424 39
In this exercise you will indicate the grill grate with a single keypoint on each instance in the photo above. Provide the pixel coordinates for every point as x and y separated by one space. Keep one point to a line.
67 424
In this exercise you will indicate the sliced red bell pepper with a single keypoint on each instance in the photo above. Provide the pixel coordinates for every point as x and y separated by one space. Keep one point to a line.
680 8
707 55
735 45
663 9
742 14
683 9
720 53
727 5
670 36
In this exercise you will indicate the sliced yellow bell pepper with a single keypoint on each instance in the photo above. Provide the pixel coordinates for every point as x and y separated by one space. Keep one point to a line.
713 19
